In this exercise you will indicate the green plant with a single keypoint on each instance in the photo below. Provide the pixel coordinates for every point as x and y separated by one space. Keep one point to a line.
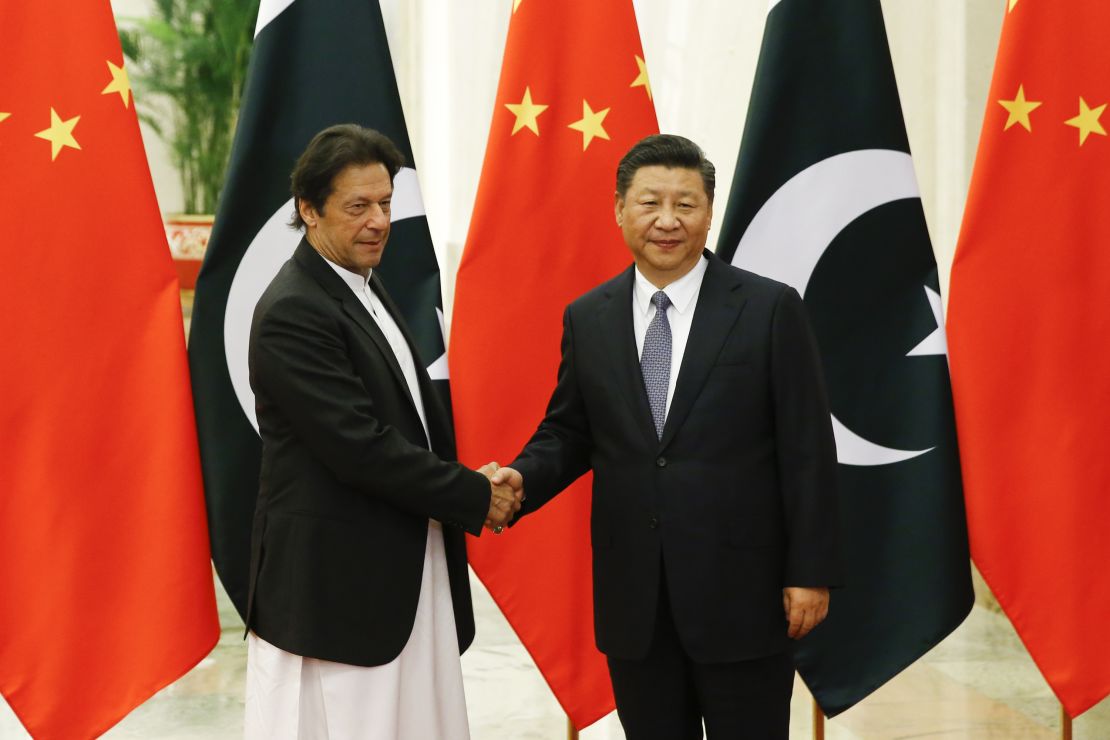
189 63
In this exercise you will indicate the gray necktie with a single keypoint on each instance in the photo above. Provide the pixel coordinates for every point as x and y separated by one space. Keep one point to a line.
655 362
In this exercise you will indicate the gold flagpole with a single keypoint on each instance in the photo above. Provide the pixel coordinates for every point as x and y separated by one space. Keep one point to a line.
818 722
1065 724
572 731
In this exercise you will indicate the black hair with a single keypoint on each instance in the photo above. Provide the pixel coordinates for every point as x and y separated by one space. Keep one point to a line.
330 152
666 150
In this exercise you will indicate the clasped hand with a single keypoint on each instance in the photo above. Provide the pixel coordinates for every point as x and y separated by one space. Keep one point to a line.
506 494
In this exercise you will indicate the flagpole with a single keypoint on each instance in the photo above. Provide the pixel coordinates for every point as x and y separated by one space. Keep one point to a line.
819 722
572 731
1065 724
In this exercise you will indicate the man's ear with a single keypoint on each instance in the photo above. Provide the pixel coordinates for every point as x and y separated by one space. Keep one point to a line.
618 208
307 211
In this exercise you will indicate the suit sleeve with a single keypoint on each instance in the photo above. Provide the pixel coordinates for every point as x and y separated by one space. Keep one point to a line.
559 452
806 449
300 363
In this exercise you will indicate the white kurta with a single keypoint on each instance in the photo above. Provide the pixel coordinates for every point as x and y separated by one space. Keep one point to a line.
419 696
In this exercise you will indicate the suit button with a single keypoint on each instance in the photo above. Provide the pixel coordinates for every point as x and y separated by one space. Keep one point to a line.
661 462
653 523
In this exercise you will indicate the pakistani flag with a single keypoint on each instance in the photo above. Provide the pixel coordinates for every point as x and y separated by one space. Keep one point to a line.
314 64
825 199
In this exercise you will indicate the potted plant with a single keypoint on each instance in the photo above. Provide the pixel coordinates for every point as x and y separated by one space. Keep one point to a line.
189 60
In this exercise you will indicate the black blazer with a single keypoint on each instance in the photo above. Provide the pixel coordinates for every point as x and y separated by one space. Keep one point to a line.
736 500
348 482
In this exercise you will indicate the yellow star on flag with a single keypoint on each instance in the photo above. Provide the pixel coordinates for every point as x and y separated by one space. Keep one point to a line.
60 134
1019 109
516 4
590 125
1012 4
1087 121
642 80
119 84
4 115
526 113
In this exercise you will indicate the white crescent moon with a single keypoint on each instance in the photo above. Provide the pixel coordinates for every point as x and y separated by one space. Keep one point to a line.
275 243
796 225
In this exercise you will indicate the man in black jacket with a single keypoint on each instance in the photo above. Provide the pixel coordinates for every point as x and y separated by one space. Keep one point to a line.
693 391
359 600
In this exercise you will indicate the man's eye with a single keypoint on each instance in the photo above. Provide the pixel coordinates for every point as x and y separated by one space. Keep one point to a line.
385 205
357 208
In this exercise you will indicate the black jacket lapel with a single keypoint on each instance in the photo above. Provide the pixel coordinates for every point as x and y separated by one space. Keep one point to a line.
438 425
314 264
719 305
615 320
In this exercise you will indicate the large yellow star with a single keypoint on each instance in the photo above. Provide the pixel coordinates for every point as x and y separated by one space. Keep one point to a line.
526 113
4 115
1012 4
119 84
1087 121
590 125
60 134
516 4
1019 109
642 80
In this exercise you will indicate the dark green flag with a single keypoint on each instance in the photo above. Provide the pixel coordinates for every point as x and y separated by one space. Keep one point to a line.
824 198
313 64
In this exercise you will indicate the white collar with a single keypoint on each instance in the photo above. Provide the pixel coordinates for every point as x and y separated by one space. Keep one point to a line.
681 292
357 282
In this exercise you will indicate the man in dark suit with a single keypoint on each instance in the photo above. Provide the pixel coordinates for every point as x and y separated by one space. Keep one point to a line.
359 600
693 391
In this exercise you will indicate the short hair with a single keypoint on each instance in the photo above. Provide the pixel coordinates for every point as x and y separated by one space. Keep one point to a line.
329 153
666 150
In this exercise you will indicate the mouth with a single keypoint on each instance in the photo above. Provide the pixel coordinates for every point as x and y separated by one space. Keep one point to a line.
667 243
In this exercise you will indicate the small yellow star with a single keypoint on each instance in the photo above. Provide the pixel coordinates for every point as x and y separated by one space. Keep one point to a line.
1087 121
516 4
1019 109
60 134
642 80
4 115
119 84
590 125
1012 4
526 113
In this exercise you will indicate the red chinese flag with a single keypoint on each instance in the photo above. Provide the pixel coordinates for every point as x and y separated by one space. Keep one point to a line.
105 584
573 98
1029 334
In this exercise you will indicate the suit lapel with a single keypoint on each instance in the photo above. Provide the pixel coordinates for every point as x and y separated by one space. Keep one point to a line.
615 320
438 426
314 264
720 302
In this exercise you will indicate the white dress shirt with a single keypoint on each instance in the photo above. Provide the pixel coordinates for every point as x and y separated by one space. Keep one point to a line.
683 294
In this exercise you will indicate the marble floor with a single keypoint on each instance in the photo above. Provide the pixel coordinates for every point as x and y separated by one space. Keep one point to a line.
978 684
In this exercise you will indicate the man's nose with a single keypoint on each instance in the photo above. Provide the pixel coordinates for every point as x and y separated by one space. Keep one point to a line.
667 219
376 217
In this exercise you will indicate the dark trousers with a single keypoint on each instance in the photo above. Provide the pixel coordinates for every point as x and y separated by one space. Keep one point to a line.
667 696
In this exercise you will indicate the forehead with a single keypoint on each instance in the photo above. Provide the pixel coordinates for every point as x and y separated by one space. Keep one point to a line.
660 179
362 181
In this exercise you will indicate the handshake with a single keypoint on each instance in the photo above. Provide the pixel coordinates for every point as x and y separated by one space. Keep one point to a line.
506 493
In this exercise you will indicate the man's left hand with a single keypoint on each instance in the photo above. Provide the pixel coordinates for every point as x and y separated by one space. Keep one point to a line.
805 609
